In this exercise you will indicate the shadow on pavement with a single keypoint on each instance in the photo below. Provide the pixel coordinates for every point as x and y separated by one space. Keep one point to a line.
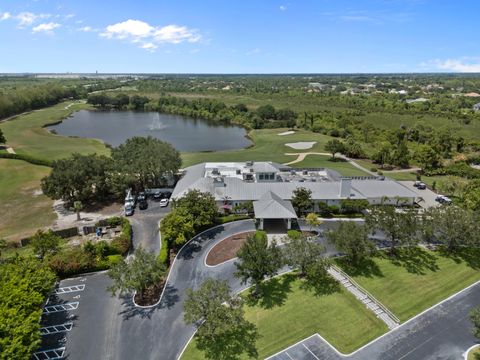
130 310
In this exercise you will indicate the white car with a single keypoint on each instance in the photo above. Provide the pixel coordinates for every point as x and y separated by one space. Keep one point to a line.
164 203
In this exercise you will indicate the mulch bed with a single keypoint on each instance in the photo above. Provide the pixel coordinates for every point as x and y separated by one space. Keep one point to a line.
227 249
151 295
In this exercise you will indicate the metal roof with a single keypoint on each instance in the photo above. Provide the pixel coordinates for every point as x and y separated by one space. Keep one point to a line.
271 206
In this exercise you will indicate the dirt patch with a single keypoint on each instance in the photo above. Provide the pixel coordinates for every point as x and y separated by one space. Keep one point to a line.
151 295
227 249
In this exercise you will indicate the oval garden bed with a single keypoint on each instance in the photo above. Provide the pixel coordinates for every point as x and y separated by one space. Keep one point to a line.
227 249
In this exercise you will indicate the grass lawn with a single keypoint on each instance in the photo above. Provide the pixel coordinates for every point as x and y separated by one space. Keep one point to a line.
291 313
415 282
26 134
269 146
474 354
22 211
343 167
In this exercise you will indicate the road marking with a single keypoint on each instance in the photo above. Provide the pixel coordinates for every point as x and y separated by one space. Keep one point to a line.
62 307
310 351
70 289
50 354
54 329
77 297
286 353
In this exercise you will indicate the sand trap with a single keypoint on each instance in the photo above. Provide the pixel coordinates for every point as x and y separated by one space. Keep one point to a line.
287 133
301 145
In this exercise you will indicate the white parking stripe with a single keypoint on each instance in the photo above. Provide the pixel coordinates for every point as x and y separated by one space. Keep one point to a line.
69 289
50 354
286 353
49 330
310 352
62 307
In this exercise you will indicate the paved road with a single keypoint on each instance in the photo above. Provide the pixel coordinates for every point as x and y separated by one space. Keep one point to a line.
442 333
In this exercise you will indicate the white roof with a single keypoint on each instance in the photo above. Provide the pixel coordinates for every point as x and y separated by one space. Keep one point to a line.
271 206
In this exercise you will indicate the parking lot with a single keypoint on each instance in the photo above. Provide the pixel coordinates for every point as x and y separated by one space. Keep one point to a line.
427 195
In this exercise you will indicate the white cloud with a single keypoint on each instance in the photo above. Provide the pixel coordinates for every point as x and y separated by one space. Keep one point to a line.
283 7
5 16
253 51
87 29
148 36
46 27
465 64
28 18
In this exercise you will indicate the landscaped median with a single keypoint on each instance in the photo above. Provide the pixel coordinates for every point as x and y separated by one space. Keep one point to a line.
288 312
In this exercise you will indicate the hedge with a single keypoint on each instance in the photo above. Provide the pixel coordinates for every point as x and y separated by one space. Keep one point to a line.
123 242
27 158
163 257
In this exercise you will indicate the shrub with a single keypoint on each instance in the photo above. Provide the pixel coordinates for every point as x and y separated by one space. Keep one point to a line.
27 158
323 209
373 169
294 234
335 210
71 262
163 257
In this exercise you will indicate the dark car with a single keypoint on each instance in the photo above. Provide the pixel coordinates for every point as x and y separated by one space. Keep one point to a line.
421 186
143 204
141 196
157 195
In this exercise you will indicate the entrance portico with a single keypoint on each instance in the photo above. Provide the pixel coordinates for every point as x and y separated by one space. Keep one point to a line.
271 207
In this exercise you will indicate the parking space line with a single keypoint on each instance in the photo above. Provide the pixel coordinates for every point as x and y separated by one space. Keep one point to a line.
286 353
54 329
310 351
69 289
50 354
63 307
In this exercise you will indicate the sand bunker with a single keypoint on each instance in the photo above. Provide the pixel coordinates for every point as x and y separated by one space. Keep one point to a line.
287 133
304 145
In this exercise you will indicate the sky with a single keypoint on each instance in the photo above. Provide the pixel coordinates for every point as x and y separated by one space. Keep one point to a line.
239 36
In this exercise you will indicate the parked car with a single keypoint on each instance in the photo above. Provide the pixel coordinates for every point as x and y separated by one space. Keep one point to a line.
157 195
141 196
129 210
421 186
164 202
442 199
143 204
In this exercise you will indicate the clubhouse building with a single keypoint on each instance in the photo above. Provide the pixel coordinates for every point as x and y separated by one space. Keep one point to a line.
270 187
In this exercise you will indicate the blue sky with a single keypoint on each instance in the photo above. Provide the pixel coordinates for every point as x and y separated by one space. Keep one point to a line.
239 36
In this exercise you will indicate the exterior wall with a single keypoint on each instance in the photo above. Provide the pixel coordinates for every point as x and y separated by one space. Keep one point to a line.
391 201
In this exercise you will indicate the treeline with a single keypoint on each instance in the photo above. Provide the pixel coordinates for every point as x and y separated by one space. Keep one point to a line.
265 116
16 99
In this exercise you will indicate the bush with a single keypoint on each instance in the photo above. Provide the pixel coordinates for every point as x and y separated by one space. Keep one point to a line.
230 218
294 234
323 209
373 169
163 257
123 242
71 262
27 158
335 210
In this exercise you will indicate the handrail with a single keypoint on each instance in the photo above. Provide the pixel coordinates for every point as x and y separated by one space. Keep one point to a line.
383 307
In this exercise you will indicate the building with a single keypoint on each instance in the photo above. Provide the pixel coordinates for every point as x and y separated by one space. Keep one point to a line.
270 186
476 107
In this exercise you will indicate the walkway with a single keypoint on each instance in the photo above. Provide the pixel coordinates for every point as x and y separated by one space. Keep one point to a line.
440 333
365 297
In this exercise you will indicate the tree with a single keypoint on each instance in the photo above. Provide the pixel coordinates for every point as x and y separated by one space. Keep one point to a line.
143 162
3 245
266 112
257 260
45 242
352 240
428 158
334 146
77 206
312 220
302 200
138 274
302 253
383 155
353 149
399 227
201 206
177 227
2 138
24 285
471 194
353 206
79 178
451 226
475 318
401 155
220 321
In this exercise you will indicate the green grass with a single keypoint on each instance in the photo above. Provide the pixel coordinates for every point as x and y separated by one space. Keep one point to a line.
416 281
268 146
298 313
22 211
343 167
26 134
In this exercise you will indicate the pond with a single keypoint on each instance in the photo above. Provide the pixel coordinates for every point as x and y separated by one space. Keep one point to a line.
185 134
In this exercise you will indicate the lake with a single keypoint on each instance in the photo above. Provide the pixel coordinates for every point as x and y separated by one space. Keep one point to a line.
185 134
